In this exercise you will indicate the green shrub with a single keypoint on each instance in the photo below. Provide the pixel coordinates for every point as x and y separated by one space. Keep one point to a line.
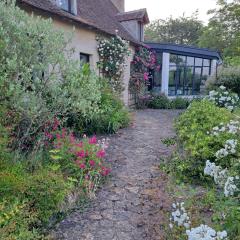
193 127
160 102
163 102
45 193
180 103
226 76
112 115
15 221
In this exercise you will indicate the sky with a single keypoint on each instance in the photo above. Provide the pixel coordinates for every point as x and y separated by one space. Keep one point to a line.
165 8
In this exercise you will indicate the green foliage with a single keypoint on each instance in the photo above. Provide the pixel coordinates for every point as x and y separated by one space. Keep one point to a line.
163 102
15 219
38 81
182 30
192 128
112 115
159 102
226 76
222 32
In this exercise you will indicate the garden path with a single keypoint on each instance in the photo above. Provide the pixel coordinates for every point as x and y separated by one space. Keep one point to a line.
132 204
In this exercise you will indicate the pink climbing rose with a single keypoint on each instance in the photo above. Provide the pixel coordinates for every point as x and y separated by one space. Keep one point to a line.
145 76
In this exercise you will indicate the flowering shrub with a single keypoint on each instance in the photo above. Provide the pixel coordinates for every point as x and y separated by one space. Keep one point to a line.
204 131
82 161
224 98
112 57
144 60
204 232
180 216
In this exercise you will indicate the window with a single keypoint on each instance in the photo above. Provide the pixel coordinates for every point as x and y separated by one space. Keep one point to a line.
187 74
84 58
140 26
64 4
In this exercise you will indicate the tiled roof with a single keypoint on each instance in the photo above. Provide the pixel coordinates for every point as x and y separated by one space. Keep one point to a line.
96 14
140 15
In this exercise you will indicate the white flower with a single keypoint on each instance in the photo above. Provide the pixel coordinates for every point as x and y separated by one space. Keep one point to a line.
230 188
204 232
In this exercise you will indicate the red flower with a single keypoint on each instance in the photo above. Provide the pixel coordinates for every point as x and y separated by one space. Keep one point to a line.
82 166
105 171
92 163
80 154
92 140
101 154
79 145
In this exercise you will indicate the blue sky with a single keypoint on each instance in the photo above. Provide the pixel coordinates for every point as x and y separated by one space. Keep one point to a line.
165 8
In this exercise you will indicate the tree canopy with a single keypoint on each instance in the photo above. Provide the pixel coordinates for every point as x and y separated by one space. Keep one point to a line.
182 30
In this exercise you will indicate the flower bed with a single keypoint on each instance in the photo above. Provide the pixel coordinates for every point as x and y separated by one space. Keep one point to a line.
207 170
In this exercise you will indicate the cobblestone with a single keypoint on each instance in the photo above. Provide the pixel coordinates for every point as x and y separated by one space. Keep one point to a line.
130 206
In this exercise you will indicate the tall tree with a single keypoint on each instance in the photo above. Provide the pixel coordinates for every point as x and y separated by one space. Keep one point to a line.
181 30
223 30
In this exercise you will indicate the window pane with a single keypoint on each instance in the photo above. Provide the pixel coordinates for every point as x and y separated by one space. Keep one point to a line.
64 4
197 81
182 60
190 61
173 59
206 62
188 81
198 62
84 58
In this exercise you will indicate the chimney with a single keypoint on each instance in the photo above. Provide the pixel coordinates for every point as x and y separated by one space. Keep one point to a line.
120 5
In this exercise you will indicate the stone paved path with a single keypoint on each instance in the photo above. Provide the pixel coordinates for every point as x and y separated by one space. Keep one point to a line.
131 205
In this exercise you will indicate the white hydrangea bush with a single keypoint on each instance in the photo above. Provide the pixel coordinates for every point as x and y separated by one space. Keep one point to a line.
224 98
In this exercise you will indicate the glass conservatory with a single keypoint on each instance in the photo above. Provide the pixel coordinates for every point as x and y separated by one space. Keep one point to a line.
182 70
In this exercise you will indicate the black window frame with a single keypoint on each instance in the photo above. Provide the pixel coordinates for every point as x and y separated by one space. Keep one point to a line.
88 56
69 2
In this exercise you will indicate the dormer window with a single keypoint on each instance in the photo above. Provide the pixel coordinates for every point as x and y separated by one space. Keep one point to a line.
64 4
68 5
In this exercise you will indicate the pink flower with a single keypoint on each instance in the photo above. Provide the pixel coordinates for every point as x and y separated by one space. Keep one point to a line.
92 140
101 154
49 135
92 163
80 154
145 76
82 166
105 171
55 124
80 145
71 138
63 132
58 136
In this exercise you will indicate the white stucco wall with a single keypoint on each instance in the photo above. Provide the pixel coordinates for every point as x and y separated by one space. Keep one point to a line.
83 41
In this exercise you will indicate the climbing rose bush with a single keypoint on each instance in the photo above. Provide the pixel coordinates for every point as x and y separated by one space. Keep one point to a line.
144 60
112 59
